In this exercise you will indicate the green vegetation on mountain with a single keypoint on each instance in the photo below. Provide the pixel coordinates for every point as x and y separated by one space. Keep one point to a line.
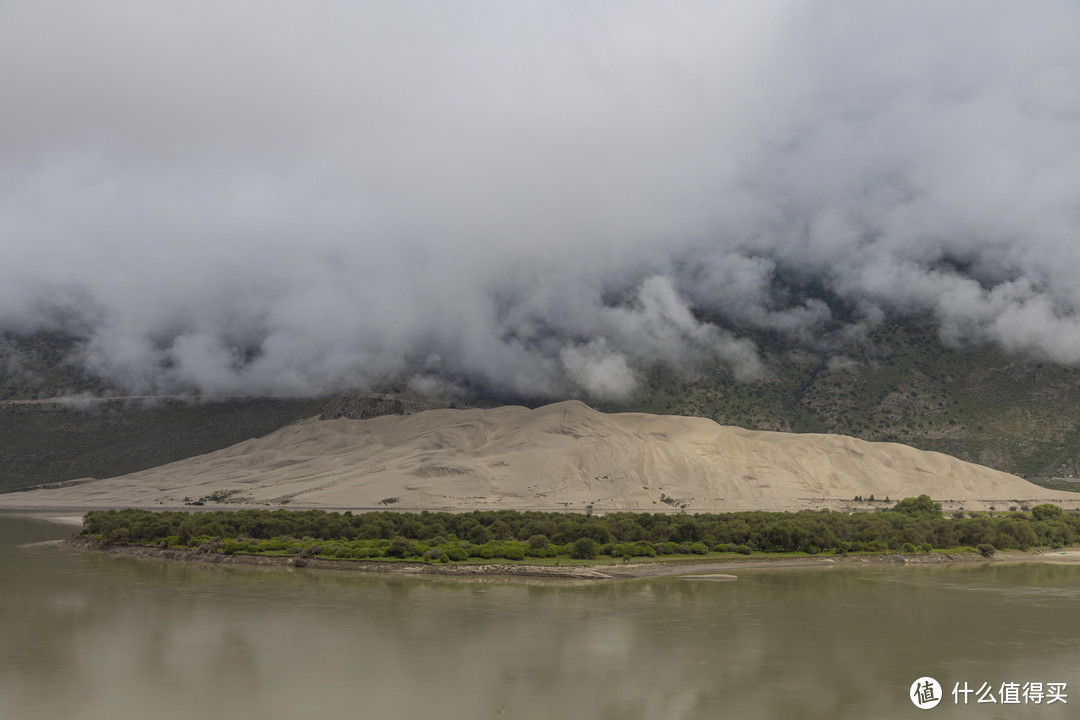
55 442
40 365
899 383
45 439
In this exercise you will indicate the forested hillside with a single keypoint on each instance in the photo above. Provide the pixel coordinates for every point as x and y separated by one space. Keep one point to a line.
898 383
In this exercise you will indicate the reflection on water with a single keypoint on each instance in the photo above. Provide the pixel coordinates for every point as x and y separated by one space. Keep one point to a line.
91 636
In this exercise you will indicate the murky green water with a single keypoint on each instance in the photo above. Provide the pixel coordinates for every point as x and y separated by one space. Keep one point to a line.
91 636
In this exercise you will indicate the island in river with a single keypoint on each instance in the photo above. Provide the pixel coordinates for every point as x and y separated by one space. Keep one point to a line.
536 543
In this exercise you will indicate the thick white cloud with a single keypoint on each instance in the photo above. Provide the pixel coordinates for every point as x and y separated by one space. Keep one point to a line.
540 197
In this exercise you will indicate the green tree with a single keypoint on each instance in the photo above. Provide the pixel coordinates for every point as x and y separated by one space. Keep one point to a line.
1046 511
538 541
501 531
584 549
480 535
922 506
399 547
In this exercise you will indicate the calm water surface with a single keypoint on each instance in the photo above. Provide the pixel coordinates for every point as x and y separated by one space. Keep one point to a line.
91 636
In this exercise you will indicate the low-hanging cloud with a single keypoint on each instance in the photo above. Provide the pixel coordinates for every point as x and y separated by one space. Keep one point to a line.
541 198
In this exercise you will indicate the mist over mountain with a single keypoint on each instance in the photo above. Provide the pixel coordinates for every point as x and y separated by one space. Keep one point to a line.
545 200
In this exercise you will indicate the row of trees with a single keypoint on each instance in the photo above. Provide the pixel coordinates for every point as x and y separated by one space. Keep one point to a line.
911 523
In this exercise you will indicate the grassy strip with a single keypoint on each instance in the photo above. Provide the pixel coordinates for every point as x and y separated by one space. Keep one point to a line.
498 552
912 525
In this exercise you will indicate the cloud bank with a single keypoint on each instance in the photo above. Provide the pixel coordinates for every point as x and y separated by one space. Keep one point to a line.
539 198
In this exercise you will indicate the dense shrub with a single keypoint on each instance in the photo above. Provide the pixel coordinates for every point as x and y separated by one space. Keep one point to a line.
537 542
1046 511
485 551
455 553
399 548
916 522
480 535
585 549
544 552
512 552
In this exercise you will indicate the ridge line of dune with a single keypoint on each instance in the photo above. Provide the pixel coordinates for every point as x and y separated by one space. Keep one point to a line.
560 456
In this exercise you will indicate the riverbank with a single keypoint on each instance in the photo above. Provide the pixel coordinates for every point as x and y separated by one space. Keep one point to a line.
581 572
595 571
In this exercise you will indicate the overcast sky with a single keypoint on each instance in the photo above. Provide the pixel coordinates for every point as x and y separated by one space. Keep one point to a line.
286 197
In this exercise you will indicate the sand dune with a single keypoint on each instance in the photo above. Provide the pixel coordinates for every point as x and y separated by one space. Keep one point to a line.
562 456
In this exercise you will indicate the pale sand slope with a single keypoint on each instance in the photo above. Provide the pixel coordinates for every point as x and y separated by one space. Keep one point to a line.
562 456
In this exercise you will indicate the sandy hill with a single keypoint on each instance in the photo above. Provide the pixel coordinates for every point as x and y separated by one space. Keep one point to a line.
562 456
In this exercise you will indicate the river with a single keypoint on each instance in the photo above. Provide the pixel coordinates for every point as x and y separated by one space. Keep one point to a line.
91 636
